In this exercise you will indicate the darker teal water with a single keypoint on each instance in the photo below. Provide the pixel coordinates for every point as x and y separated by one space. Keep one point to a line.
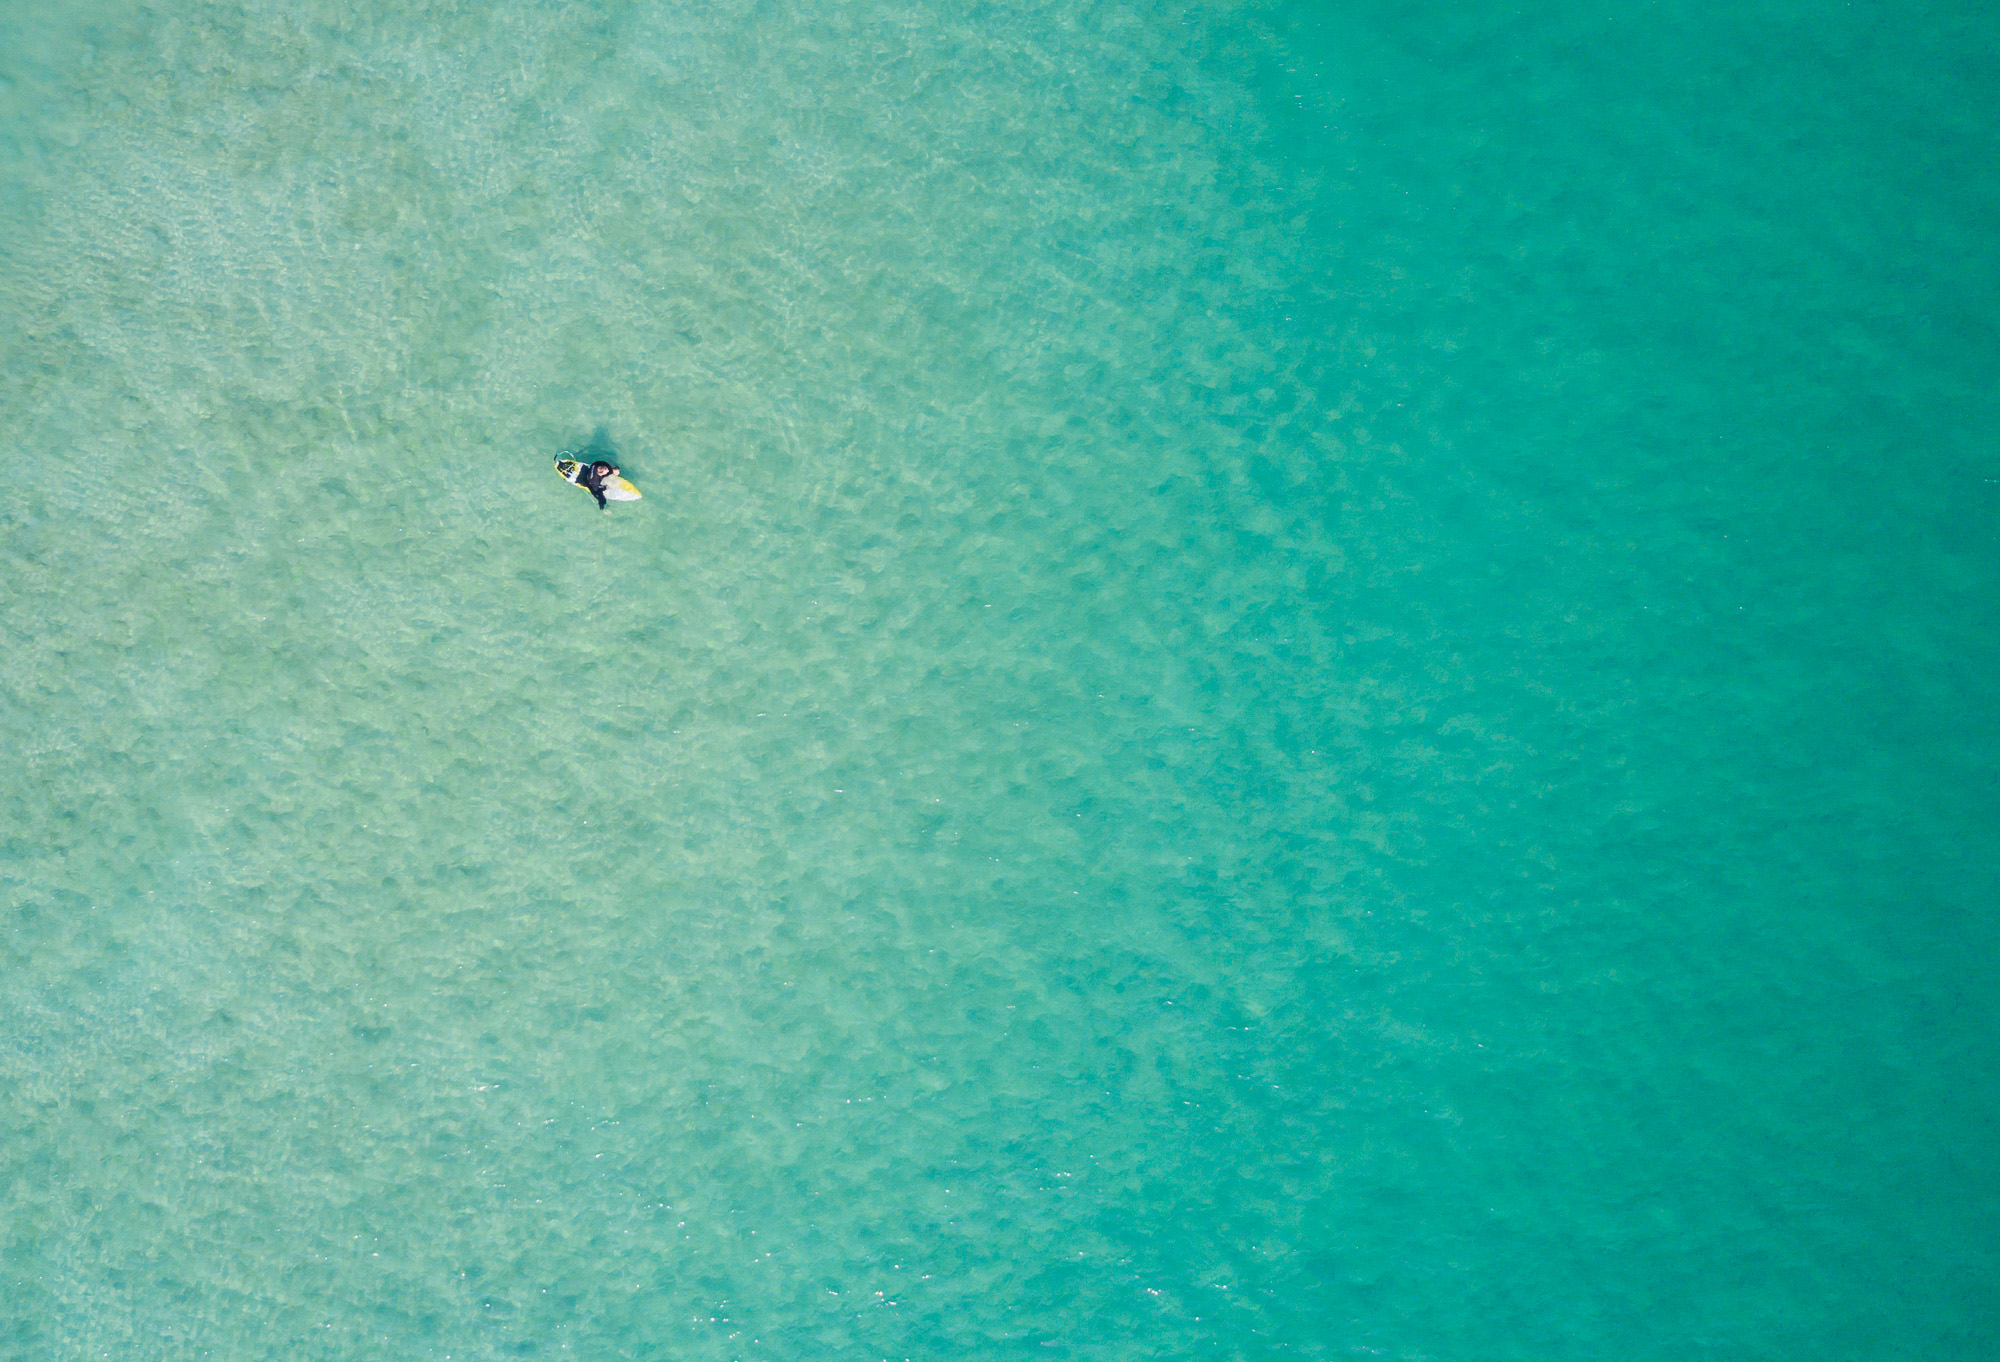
1711 501
1708 509
1310 682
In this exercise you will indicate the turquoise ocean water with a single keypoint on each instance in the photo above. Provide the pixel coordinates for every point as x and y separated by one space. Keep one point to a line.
1300 681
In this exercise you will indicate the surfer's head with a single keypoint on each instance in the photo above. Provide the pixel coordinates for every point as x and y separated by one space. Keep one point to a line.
601 468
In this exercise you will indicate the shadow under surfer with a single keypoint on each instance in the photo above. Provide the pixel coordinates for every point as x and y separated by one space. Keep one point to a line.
591 477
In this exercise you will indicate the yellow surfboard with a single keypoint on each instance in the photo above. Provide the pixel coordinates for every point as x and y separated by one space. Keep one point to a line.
616 488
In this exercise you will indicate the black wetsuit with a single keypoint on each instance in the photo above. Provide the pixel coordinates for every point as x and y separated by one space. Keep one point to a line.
587 478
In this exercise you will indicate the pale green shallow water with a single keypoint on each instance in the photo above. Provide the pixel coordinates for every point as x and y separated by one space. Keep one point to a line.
1305 682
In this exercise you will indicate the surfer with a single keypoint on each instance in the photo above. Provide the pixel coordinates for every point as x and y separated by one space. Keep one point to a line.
591 477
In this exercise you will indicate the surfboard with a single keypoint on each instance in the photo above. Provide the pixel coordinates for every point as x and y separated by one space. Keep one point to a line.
616 488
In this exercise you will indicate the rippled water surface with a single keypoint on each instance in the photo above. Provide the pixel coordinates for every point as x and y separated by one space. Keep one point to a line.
1296 681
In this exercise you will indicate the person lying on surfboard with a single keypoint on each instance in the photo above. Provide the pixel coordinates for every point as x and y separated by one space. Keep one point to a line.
591 477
